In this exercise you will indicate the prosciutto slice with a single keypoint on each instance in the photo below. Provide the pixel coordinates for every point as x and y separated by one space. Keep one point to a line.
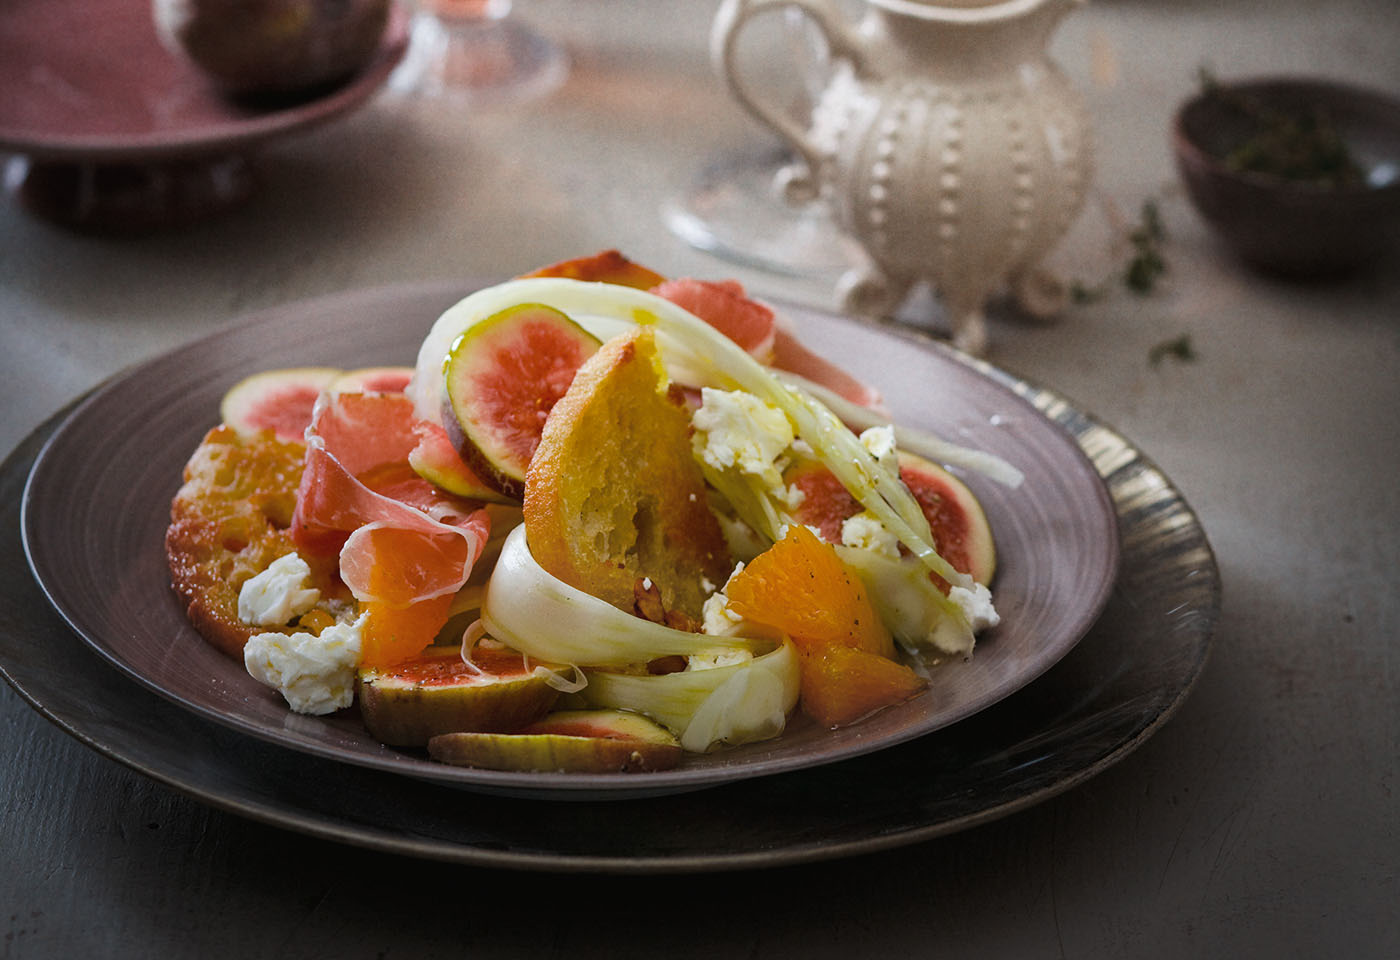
762 334
401 540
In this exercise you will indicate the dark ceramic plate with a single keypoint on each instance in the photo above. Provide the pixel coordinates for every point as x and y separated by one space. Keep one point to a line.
97 505
1128 675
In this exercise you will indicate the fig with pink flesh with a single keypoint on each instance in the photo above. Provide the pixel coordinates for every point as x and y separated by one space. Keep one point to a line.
571 741
503 376
279 400
408 704
959 526
373 380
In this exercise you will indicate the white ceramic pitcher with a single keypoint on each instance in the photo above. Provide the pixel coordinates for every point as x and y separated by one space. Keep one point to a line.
946 142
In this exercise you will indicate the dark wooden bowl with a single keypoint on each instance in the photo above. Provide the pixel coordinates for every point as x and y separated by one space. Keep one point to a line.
1295 227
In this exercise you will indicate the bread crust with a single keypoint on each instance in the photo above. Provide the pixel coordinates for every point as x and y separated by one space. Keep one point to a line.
228 522
613 493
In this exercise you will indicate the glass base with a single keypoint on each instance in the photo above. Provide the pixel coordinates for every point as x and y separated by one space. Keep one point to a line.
734 211
482 60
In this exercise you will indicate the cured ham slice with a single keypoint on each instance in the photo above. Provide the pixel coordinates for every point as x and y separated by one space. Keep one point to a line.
789 354
754 327
725 306
406 547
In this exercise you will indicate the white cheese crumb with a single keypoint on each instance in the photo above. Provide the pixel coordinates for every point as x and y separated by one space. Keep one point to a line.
315 675
743 432
864 531
976 605
278 594
724 658
718 619
879 441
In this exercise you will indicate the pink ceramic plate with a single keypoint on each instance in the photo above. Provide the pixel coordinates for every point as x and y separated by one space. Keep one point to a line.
89 81
97 501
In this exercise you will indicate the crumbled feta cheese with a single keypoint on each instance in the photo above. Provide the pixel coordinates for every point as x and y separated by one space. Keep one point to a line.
864 531
743 432
315 675
278 594
724 658
976 605
718 619
792 496
879 441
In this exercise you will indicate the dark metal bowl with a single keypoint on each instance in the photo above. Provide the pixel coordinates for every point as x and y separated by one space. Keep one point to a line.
1295 227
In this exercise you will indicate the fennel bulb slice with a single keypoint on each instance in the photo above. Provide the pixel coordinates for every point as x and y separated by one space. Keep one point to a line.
540 615
737 703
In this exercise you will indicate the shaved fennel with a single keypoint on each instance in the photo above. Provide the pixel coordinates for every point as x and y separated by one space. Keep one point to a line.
925 444
541 616
738 703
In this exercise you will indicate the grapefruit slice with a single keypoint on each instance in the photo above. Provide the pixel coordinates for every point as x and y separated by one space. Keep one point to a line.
276 400
503 376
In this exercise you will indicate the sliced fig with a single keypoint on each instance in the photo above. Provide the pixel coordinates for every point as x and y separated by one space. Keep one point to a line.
503 376
373 380
436 460
279 400
411 702
571 741
960 530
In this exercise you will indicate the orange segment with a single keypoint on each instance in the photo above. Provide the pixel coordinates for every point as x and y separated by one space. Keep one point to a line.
840 685
393 634
800 586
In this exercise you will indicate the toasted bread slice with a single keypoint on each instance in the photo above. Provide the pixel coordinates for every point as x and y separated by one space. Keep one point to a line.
228 522
613 494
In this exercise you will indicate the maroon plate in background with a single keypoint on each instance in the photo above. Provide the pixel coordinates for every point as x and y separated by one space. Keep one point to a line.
97 503
90 82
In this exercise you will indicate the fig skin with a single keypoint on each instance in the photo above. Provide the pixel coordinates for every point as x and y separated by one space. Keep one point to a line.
272 47
572 741
401 712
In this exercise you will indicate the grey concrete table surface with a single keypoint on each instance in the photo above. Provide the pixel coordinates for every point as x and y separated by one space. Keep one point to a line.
1260 822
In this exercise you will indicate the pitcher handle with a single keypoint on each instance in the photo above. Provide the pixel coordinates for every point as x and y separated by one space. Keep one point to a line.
732 18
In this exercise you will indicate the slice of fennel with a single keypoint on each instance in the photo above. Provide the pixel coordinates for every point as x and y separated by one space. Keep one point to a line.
540 615
922 442
907 601
738 703
708 358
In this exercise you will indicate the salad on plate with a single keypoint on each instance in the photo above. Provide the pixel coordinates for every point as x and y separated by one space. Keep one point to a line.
608 520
